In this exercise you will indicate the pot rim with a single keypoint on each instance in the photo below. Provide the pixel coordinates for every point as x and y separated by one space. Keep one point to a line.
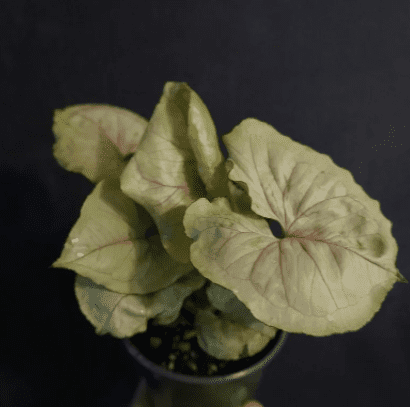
160 371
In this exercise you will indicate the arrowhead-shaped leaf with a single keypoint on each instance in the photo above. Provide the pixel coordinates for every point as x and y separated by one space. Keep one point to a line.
177 162
96 140
108 245
334 268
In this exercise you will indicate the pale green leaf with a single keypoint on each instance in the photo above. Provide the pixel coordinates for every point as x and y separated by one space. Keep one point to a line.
234 310
224 339
108 245
177 160
295 185
168 301
96 140
124 315
205 146
121 315
334 268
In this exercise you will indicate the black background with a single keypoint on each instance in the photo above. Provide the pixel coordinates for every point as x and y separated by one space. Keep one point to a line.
334 75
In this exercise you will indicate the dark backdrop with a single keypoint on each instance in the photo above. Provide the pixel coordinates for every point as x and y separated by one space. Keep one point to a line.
334 75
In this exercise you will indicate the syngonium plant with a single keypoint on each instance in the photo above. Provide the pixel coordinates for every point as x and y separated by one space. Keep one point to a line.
328 273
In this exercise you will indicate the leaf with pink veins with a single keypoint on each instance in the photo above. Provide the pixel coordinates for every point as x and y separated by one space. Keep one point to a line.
177 162
108 245
335 264
96 140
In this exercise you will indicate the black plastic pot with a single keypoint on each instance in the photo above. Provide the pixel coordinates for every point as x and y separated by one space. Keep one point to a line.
178 373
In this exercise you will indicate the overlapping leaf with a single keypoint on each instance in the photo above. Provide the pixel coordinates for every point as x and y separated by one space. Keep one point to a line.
96 140
108 245
124 315
225 339
234 332
177 162
234 310
331 272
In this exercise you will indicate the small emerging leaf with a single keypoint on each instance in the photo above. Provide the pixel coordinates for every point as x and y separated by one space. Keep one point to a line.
224 339
234 310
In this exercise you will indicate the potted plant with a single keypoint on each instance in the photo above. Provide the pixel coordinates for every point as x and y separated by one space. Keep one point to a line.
174 244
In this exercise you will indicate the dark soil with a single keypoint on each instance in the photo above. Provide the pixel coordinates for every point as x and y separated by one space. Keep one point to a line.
175 348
